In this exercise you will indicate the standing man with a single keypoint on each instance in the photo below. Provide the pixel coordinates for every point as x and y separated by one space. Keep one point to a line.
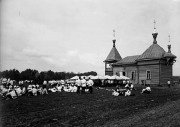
83 84
78 84
169 83
90 84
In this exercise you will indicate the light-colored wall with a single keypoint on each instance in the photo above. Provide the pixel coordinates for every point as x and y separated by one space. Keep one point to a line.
128 70
142 73
154 74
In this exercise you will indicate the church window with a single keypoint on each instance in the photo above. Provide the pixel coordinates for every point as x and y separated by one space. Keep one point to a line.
148 75
133 75
124 73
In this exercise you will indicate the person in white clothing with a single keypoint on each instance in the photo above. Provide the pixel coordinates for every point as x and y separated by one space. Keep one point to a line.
83 84
44 91
3 91
146 90
169 83
59 87
18 91
29 90
34 91
132 87
11 94
90 84
74 88
23 88
78 84
128 93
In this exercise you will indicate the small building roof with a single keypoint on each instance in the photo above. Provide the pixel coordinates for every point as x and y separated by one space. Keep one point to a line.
113 55
128 60
169 55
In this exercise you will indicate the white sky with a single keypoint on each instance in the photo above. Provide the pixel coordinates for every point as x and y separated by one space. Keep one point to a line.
76 35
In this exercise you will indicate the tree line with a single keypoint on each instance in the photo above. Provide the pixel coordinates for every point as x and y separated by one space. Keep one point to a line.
35 75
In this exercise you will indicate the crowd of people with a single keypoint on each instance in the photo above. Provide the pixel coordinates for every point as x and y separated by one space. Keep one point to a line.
128 89
11 90
124 90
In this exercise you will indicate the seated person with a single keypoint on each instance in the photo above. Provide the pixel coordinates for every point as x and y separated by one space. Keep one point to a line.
11 94
34 91
127 86
146 90
115 93
122 91
23 88
59 88
53 89
3 91
131 86
74 88
128 93
29 90
18 91
44 90
39 90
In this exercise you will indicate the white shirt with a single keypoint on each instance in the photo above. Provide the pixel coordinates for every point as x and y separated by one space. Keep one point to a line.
78 82
34 91
128 93
29 87
19 91
90 82
132 86
12 93
148 88
127 85
83 81
23 90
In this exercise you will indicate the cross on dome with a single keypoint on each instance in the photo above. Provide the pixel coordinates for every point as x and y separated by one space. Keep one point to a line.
154 26
169 38
114 34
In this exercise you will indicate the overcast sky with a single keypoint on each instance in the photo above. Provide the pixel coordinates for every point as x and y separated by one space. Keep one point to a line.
76 35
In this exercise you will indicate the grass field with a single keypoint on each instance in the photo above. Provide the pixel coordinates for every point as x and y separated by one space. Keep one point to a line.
161 108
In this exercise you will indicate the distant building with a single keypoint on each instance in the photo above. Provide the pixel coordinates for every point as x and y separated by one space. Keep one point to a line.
153 66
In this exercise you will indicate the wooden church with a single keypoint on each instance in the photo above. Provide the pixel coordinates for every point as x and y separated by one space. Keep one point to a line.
153 66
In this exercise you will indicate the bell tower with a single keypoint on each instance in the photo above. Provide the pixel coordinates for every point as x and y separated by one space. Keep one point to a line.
113 57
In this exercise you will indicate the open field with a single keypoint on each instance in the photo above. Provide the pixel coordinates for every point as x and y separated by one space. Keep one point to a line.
161 108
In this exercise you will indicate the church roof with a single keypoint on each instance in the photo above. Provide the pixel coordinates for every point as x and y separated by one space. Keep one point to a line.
128 60
113 55
153 52
169 55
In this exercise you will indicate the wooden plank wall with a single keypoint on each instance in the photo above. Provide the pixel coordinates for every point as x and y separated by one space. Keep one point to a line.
166 74
154 74
128 70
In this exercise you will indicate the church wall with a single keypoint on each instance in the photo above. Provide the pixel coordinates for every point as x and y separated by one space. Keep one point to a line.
128 72
154 69
117 70
165 74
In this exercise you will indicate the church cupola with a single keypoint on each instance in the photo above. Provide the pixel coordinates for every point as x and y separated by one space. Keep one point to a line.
114 40
169 48
112 58
169 45
154 34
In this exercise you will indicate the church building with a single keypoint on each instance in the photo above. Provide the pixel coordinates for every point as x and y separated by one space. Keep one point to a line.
154 66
